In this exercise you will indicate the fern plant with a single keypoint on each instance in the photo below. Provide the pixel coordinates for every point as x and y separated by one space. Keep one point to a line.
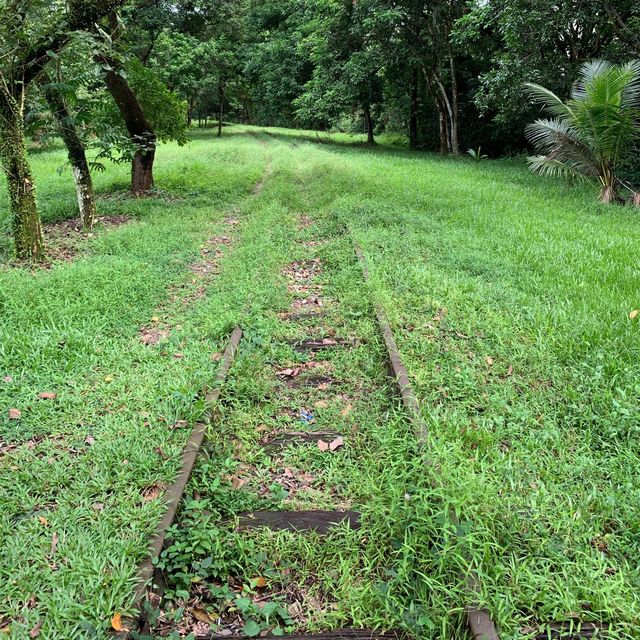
594 132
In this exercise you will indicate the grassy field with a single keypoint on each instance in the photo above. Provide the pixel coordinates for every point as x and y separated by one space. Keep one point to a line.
509 297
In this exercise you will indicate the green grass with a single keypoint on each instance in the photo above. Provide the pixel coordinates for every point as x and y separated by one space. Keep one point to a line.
509 297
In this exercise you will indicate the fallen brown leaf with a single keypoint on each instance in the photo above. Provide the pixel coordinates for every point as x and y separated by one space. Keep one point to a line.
346 410
260 582
336 444
323 446
15 414
7 379
47 395
237 482
287 373
634 314
153 491
489 360
202 616
116 622
54 543
89 440
35 632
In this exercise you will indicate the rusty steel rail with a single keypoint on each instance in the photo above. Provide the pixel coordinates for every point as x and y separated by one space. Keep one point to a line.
479 621
174 493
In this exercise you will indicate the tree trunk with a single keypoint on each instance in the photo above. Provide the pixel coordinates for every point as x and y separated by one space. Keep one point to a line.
413 118
436 91
27 229
369 122
247 112
76 154
190 113
142 172
609 192
444 138
220 108
455 144
138 127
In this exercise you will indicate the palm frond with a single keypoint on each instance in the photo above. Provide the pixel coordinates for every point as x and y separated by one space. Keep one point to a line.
591 70
553 167
549 99
594 130
561 141
631 93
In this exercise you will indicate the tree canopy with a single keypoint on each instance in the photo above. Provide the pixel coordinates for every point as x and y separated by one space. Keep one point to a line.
445 75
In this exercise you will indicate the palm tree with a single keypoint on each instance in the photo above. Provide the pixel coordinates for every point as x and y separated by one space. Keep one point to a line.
592 133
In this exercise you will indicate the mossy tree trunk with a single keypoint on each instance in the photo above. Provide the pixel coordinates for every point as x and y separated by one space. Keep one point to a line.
27 228
77 156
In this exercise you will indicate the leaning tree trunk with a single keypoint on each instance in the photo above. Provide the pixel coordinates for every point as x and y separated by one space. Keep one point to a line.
27 229
369 122
455 109
76 154
138 127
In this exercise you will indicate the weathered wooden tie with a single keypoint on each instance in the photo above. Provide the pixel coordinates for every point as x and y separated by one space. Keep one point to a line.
303 315
309 381
318 344
338 634
320 522
292 438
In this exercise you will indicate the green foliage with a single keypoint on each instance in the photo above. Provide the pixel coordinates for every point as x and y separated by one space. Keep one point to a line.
166 112
593 133
477 154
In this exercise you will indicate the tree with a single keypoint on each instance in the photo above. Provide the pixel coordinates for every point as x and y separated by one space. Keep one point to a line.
30 32
515 41
591 134
199 54
58 95
276 65
347 65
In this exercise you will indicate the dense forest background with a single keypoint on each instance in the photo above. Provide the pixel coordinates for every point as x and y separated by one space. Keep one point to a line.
447 74
111 78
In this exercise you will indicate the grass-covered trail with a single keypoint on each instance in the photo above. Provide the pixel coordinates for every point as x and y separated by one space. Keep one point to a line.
509 297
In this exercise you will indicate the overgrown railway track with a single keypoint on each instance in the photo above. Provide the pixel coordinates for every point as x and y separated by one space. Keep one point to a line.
308 310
